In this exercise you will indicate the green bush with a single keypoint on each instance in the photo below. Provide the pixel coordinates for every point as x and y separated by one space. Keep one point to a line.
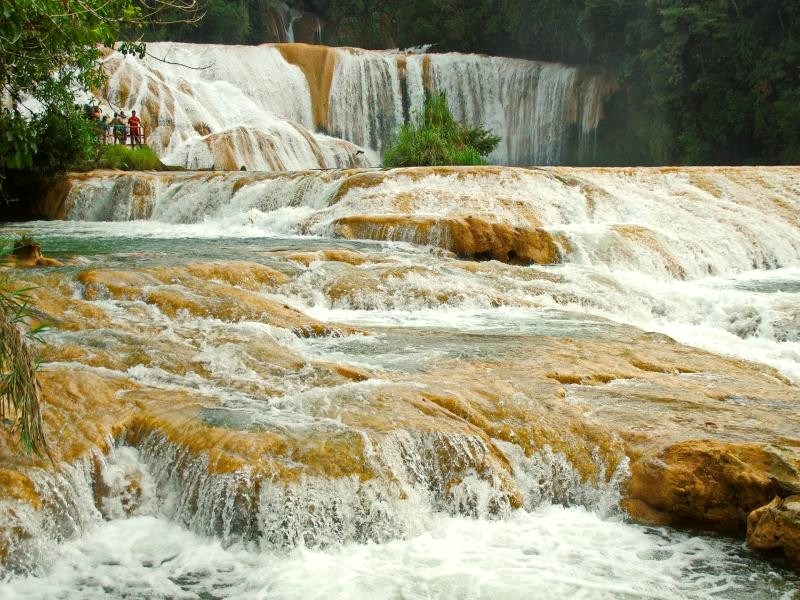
438 140
117 156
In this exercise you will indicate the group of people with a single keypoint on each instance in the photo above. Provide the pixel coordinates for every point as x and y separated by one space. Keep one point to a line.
116 129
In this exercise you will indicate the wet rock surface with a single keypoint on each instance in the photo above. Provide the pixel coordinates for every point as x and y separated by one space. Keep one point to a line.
195 377
300 387
776 527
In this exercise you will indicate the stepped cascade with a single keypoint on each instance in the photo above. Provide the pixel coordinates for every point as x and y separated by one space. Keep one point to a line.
370 320
294 106
318 372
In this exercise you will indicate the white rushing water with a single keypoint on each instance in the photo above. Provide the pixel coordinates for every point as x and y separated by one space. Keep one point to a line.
710 257
207 106
550 553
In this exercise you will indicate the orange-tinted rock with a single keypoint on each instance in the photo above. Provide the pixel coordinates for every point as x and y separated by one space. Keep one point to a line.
468 237
708 483
118 284
29 256
193 289
247 275
345 256
82 410
18 486
699 453
776 526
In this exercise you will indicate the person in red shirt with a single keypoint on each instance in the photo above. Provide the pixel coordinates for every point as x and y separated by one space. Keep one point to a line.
135 125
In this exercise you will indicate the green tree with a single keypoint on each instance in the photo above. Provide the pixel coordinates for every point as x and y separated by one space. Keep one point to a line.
50 51
438 139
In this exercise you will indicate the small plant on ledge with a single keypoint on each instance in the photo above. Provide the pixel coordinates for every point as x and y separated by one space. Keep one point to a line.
439 140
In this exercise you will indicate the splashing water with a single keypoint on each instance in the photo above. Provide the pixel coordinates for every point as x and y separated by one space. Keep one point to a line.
436 493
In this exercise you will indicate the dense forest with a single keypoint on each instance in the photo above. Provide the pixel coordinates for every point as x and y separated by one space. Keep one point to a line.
712 82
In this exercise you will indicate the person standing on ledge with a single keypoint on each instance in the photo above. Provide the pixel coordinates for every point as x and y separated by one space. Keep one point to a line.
135 125
118 127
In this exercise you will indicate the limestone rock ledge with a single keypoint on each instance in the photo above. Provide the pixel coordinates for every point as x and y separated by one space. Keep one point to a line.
469 237
776 526
707 484
539 418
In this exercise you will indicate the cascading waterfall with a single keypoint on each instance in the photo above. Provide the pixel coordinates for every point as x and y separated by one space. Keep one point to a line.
222 107
646 222
366 100
295 377
532 106
283 18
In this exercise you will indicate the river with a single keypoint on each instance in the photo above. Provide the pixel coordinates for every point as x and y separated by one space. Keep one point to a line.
280 412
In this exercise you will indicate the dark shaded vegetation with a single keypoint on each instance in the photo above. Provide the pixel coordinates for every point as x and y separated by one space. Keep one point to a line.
713 82
438 139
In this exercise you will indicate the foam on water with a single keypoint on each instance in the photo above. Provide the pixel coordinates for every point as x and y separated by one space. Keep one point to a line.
551 552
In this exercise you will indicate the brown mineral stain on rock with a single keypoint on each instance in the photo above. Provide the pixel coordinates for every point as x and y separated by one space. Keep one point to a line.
29 256
247 275
282 455
359 181
18 486
701 431
350 257
82 410
347 371
318 64
115 283
54 305
705 483
194 289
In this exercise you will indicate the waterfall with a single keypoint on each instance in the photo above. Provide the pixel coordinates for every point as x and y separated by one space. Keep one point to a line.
366 100
260 381
224 107
670 224
530 105
282 19
270 107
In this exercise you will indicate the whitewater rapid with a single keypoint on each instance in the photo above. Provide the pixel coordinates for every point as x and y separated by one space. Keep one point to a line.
552 552
710 257
162 271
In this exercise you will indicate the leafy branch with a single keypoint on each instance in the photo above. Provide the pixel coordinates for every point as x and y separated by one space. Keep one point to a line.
20 394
